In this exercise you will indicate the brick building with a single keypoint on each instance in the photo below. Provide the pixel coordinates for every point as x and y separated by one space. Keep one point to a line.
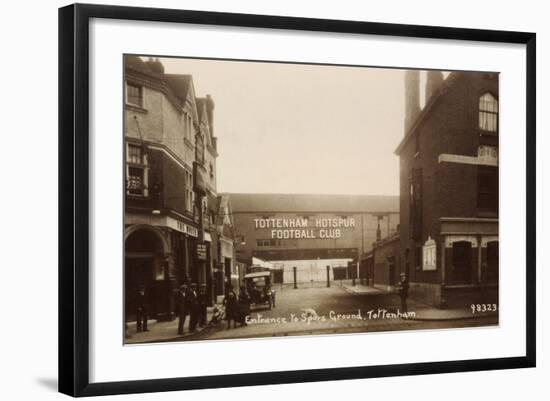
311 231
382 262
172 232
449 188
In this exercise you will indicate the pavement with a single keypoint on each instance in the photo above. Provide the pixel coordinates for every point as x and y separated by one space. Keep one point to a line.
422 311
359 288
165 330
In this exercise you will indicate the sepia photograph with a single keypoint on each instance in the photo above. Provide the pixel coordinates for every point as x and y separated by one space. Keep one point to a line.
274 199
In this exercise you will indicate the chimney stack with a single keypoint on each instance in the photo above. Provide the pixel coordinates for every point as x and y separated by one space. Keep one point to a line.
433 82
155 65
412 98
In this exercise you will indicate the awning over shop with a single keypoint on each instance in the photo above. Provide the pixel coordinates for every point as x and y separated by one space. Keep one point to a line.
262 263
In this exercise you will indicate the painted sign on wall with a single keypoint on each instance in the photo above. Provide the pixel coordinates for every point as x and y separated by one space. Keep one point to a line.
300 228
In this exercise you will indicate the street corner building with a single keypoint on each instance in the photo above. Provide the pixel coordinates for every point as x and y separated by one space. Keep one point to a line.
176 227
449 244
311 239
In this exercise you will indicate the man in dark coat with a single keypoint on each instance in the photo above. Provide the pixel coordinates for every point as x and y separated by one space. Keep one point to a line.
231 307
244 305
141 308
203 304
193 303
182 306
403 289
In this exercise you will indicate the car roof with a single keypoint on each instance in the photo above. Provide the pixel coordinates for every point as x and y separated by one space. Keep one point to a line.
257 274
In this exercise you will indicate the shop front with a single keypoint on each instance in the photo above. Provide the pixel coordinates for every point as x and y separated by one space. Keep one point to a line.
158 257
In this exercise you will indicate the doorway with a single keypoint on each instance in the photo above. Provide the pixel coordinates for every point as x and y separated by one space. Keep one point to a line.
462 262
142 248
139 271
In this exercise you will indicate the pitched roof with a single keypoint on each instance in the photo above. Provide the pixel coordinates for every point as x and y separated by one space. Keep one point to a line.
179 84
152 67
304 203
175 86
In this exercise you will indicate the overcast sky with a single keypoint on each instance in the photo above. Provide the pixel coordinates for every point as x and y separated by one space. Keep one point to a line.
288 128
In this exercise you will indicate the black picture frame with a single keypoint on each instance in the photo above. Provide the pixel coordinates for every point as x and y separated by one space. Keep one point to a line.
74 198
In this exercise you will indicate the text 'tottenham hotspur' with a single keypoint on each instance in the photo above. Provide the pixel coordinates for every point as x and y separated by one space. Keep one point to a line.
298 228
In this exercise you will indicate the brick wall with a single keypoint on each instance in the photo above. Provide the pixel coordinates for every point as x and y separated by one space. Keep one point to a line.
449 189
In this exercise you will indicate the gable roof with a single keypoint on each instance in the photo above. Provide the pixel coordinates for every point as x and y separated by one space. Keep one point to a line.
308 203
177 87
180 85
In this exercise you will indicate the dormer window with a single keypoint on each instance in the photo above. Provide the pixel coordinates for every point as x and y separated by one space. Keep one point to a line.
488 113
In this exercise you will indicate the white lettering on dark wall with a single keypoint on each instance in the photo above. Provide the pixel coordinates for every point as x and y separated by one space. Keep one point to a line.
298 228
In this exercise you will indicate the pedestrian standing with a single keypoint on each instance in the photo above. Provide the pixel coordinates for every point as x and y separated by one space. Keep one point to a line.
231 307
193 302
203 304
182 306
141 308
403 290
244 305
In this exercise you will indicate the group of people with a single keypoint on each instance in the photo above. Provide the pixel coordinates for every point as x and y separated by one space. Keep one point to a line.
237 308
193 302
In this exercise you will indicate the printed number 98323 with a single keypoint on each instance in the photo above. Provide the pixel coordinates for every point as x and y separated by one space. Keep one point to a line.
480 308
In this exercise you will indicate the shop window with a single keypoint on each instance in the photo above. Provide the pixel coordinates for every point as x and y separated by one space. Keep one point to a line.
487 188
134 95
488 113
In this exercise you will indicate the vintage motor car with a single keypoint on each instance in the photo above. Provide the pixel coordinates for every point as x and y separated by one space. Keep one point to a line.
258 285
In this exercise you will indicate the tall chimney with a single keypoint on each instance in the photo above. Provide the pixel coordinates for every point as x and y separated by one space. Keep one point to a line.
433 82
412 98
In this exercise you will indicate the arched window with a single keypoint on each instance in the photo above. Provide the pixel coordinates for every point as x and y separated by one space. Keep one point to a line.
488 113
